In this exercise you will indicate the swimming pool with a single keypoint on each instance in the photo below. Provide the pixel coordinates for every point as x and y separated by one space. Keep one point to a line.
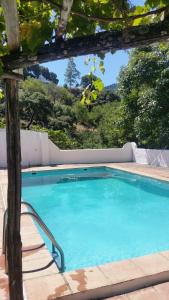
99 215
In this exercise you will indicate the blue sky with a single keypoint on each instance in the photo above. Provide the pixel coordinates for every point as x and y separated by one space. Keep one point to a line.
112 63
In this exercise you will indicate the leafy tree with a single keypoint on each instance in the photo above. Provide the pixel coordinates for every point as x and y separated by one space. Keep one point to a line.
106 96
109 127
61 95
36 71
46 104
32 85
2 123
82 113
62 117
72 74
88 139
143 86
60 138
34 107
2 108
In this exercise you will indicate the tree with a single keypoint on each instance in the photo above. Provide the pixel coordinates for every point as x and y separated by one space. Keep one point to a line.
143 86
72 74
36 71
45 104
35 107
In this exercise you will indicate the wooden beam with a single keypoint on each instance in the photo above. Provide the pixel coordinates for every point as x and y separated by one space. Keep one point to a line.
14 245
12 75
98 43
12 23
65 12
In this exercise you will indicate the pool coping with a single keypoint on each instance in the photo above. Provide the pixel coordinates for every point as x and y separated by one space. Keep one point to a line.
89 283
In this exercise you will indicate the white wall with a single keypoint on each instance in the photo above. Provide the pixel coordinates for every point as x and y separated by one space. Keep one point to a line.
37 149
34 145
2 148
153 157
58 156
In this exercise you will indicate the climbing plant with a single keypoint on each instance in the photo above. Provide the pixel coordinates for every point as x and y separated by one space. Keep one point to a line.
42 22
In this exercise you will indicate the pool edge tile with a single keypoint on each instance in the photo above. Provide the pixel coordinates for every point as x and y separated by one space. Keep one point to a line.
152 264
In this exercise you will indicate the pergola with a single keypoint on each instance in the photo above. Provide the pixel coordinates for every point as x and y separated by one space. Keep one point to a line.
101 42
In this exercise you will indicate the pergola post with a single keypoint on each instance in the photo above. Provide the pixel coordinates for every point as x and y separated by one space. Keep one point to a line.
14 246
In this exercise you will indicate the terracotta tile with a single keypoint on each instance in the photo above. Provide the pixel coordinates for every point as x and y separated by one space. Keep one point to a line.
151 264
85 279
121 271
46 288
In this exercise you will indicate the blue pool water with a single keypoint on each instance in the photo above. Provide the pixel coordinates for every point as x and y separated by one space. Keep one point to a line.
100 214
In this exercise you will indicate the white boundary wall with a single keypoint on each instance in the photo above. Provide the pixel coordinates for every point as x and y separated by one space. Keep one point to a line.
153 157
37 149
34 147
124 154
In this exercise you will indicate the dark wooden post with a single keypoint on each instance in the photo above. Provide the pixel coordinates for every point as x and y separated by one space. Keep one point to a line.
14 246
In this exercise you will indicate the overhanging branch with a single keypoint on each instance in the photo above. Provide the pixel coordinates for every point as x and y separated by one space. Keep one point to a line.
106 19
98 43
128 17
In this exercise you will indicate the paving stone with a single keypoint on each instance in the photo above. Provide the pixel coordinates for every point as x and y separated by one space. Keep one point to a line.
38 263
163 290
121 271
152 264
85 279
145 294
46 288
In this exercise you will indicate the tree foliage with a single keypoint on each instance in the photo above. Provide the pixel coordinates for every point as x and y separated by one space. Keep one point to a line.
140 111
37 71
143 86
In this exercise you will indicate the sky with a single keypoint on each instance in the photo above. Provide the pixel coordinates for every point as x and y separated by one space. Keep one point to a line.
112 64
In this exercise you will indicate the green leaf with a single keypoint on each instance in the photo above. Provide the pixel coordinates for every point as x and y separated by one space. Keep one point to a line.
101 66
93 69
94 95
1 94
98 84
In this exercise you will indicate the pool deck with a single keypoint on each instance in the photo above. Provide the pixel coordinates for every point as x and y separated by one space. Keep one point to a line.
142 278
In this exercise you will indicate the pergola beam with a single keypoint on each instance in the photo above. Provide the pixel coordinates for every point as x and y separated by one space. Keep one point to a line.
97 43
